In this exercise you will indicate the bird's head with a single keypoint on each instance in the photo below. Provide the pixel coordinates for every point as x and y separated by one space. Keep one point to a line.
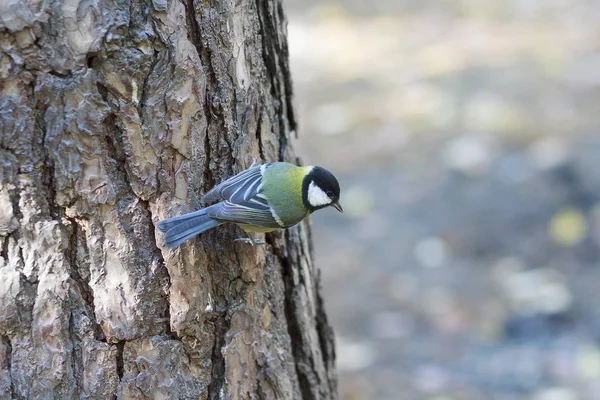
320 189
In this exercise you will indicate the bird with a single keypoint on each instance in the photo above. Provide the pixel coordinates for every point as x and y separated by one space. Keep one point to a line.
263 198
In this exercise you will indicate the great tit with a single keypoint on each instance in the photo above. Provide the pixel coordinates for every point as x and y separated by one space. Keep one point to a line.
262 198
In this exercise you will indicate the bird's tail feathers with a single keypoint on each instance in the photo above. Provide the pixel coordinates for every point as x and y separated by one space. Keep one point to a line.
179 229
167 224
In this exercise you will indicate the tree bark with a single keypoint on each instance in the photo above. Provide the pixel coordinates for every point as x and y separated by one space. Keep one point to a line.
115 114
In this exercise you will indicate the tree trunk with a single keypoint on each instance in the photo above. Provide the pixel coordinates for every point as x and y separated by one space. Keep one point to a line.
118 113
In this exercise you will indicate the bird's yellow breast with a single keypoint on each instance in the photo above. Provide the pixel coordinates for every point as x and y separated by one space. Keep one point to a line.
283 190
256 228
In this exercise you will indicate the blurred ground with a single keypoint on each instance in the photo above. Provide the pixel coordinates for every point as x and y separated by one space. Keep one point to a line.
466 138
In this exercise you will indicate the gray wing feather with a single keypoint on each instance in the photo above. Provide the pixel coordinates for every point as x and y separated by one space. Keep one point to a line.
237 189
253 212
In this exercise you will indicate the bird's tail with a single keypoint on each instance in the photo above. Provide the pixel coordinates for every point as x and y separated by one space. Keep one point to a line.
179 229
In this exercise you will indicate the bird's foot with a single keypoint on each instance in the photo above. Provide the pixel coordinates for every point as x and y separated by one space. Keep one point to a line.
251 241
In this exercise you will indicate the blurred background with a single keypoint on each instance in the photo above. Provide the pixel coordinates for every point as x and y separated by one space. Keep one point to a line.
466 138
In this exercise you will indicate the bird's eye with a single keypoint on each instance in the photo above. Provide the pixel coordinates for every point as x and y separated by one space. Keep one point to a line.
329 193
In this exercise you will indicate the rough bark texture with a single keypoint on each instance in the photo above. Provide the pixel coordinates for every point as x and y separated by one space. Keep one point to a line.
115 114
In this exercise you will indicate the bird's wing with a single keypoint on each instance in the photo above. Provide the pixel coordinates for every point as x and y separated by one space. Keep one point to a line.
242 200
256 212
239 188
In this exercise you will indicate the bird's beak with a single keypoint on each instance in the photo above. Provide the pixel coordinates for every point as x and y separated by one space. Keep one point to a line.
337 206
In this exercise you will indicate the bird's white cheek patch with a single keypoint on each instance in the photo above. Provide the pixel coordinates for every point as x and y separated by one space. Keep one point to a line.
316 196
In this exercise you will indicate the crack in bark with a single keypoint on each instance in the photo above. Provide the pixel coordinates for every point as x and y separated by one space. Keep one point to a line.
207 176
221 325
144 91
116 142
204 55
14 197
62 75
115 148
48 177
259 123
304 358
86 291
269 59
76 355
287 75
158 254
4 250
8 364
275 56
267 48
293 327
221 322
325 332
120 345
